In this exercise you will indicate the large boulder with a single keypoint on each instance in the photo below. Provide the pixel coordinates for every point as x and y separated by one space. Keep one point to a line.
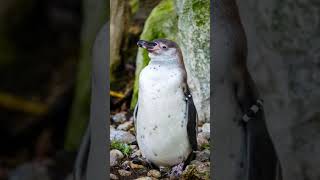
188 23
161 23
283 45
194 40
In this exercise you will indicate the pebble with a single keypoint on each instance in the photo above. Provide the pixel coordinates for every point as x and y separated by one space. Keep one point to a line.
119 117
205 135
154 173
115 157
122 136
203 155
125 126
201 141
113 177
145 178
136 166
136 153
206 128
124 172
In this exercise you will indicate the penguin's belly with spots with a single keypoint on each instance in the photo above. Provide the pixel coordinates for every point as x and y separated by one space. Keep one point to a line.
161 120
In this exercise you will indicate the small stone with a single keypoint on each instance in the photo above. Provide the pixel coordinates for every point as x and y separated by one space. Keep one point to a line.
145 178
124 172
126 165
135 154
113 176
133 147
204 135
203 155
115 157
206 128
154 173
125 126
136 166
202 142
122 136
119 117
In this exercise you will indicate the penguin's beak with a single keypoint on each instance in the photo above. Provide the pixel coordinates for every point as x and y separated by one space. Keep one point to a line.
149 46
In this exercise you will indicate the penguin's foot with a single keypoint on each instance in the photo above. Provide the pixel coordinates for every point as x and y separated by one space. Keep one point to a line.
176 171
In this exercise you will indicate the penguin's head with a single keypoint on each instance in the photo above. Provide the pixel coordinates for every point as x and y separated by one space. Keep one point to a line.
161 48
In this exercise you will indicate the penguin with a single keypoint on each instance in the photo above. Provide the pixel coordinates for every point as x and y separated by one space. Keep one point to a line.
165 116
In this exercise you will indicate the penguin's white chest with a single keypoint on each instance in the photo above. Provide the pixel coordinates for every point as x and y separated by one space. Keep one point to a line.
161 120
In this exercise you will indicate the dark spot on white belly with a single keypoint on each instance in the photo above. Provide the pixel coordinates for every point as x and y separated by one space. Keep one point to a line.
169 116
155 127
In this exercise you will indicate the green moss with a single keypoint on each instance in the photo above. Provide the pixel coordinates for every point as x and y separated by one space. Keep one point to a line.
161 23
134 4
124 148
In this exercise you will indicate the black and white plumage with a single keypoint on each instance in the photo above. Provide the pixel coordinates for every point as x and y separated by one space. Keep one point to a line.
165 116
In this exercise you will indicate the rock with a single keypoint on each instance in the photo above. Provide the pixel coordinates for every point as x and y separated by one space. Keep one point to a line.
206 128
125 165
194 40
202 141
119 117
134 147
115 157
135 166
198 170
203 155
125 126
154 173
113 176
124 172
136 153
122 136
161 23
145 178
204 135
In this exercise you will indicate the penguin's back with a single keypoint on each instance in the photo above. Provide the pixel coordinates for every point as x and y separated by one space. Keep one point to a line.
161 120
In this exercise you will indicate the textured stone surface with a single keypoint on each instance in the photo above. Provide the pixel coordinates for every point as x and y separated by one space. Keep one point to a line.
188 23
283 45
194 40
161 23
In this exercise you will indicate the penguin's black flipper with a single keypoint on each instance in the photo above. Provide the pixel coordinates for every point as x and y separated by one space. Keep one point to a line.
192 118
135 114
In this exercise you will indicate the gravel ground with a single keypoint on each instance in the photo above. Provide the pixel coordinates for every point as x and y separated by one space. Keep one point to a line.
124 152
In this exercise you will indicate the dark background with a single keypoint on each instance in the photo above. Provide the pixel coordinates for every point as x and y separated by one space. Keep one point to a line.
40 48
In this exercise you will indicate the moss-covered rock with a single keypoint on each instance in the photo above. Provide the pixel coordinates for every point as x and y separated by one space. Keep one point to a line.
162 23
194 40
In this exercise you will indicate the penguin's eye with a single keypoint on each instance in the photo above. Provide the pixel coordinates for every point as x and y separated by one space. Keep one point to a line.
164 47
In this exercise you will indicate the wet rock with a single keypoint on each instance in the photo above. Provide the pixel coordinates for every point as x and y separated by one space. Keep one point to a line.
154 173
113 177
124 172
115 157
125 126
119 117
122 136
203 155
